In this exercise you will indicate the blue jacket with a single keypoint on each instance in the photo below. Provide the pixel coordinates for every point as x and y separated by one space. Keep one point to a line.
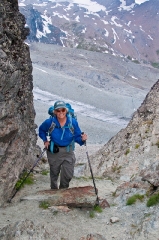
62 136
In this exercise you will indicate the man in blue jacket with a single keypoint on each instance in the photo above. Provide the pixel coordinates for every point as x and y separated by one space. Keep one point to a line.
63 132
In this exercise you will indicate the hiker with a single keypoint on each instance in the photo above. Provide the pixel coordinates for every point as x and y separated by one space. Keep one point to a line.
64 132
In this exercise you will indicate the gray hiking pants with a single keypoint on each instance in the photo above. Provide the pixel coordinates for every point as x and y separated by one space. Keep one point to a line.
61 163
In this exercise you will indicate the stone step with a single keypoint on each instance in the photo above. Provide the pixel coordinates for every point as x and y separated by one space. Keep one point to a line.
71 197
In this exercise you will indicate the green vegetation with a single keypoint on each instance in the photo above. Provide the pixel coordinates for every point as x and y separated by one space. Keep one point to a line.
157 144
136 61
44 205
96 208
83 178
128 57
157 52
91 214
155 64
132 176
148 122
147 215
44 172
109 178
22 181
131 200
127 151
131 59
116 168
153 200
137 146
114 194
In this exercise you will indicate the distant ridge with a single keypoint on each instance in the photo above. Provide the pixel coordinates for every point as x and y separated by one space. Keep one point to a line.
121 28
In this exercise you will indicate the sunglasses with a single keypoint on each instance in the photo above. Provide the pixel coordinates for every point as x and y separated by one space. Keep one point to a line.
61 110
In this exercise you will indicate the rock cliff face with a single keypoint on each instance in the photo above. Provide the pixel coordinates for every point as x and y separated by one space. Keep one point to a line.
17 128
134 152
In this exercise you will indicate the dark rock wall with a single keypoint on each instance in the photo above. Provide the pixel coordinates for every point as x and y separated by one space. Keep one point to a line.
17 128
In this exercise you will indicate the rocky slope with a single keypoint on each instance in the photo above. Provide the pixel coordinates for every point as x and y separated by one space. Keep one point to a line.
135 148
17 127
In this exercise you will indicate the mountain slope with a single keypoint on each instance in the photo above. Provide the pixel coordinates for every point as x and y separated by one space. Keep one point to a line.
119 27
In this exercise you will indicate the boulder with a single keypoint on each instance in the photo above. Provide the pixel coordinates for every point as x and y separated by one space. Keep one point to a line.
72 197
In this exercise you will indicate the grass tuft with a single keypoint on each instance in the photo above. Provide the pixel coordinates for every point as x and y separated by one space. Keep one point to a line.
137 146
29 180
155 64
153 200
127 151
91 214
157 143
131 200
44 172
98 209
44 205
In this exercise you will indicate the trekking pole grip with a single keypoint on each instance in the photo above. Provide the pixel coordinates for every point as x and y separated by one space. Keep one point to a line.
84 140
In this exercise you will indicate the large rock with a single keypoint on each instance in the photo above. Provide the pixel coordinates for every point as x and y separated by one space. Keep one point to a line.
135 148
17 128
72 197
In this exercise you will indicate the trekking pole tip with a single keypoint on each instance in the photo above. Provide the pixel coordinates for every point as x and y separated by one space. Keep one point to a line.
9 200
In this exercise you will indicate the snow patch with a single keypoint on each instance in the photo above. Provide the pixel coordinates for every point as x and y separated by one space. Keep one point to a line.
129 23
149 37
124 7
22 5
41 69
57 5
40 4
60 16
129 31
141 29
134 77
113 20
105 22
140 1
84 30
77 19
106 32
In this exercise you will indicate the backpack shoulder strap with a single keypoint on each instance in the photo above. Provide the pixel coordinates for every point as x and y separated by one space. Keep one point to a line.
70 124
52 127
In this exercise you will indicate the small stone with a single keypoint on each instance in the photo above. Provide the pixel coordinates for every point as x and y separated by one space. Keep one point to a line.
104 204
114 219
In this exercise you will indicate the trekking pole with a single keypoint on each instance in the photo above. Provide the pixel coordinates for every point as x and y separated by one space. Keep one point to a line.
96 191
9 200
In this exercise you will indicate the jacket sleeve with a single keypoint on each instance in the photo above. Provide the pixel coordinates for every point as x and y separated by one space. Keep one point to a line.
77 133
43 129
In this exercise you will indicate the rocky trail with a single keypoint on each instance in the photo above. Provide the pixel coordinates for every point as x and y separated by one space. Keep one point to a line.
24 219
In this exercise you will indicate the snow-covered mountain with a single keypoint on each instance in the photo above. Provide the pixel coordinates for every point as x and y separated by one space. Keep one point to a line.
123 27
